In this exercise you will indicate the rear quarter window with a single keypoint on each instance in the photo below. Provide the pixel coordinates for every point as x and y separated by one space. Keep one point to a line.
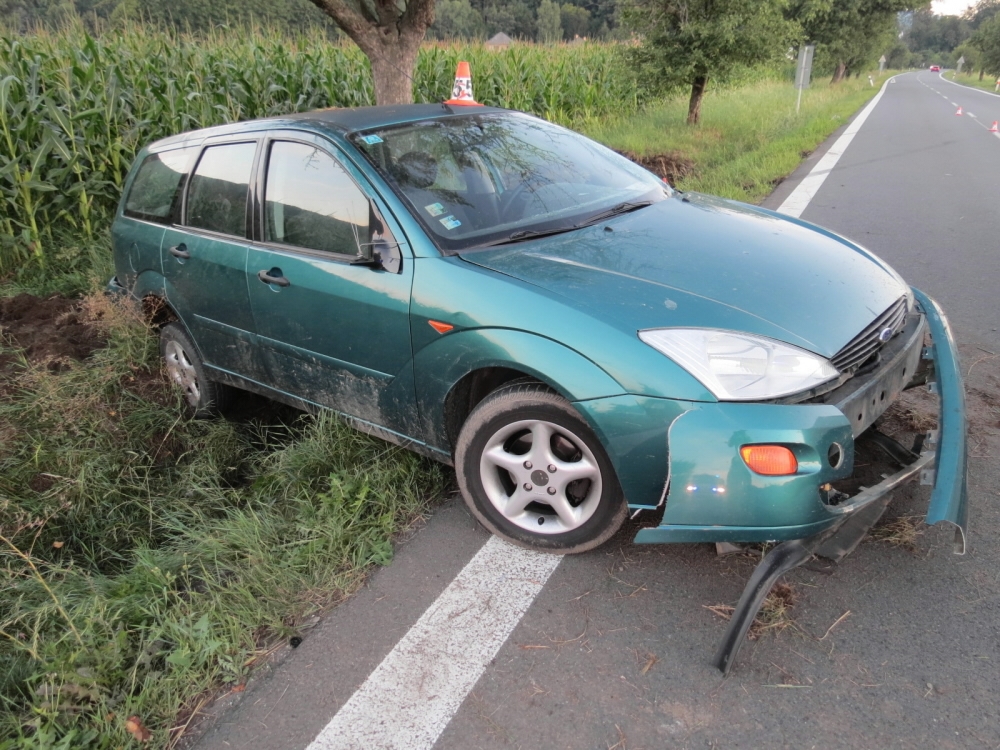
155 191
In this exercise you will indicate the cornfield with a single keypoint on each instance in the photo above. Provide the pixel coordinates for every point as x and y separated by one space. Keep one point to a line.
74 109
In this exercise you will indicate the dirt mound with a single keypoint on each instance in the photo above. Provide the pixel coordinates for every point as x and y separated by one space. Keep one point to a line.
52 329
670 167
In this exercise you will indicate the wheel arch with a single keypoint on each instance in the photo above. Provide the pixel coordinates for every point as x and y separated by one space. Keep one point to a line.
453 374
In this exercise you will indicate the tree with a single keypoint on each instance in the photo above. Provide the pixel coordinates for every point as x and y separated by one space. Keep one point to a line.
575 21
971 55
848 34
457 19
549 22
687 42
987 41
389 32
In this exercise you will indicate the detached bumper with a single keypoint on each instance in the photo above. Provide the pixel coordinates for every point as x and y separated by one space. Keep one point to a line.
949 498
714 497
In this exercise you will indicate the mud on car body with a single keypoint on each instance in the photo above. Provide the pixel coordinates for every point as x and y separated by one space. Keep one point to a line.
578 339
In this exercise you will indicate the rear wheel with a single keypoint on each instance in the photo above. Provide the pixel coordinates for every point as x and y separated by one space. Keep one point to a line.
532 471
186 371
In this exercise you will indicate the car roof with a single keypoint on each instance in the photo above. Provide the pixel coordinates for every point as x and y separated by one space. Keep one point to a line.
335 119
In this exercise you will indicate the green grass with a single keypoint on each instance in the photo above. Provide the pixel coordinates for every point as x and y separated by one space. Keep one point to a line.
989 83
146 558
749 137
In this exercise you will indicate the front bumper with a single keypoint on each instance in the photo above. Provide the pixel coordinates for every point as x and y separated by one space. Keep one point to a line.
713 496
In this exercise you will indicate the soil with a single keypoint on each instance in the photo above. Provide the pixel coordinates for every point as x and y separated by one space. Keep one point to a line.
670 166
51 330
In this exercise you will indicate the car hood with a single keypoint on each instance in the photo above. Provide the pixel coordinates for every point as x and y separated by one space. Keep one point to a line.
711 263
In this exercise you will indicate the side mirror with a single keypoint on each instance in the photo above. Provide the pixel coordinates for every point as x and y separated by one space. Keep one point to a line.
381 250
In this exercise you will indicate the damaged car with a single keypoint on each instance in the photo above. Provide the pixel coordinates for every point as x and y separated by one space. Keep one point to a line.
579 340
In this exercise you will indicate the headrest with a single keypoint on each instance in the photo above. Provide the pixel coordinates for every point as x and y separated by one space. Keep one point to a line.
417 169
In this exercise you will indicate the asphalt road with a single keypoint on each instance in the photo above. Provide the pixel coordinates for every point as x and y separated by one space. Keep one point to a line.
893 648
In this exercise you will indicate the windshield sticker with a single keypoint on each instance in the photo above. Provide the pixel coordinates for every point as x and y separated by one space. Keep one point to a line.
371 140
435 209
450 222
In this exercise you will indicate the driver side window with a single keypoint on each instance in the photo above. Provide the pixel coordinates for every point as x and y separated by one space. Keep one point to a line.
311 202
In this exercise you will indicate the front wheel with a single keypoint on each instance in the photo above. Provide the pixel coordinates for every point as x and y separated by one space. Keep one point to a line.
532 471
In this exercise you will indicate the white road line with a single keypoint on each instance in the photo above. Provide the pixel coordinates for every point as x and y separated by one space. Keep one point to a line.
796 203
411 696
967 88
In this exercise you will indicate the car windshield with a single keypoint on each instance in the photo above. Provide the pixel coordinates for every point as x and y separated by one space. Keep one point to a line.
481 180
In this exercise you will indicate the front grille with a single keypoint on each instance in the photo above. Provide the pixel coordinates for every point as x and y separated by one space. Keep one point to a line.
866 343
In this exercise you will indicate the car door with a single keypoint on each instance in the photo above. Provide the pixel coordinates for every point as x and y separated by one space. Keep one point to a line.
332 332
204 259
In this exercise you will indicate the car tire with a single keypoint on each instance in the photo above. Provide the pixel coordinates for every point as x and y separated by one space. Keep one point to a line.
504 457
185 370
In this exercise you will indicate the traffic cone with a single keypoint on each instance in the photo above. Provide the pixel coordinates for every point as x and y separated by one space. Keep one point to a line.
993 127
462 91
957 113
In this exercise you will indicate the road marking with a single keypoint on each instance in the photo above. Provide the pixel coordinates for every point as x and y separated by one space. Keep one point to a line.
803 193
967 88
411 696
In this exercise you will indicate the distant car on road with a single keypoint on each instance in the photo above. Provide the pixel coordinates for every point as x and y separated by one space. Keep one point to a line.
935 68
579 340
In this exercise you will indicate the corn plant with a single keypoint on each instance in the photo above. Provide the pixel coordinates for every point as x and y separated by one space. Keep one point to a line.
75 109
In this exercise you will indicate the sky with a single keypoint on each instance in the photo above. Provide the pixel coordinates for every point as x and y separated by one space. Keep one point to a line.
950 7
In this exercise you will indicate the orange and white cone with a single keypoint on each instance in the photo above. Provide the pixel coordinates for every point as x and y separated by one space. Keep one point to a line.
462 91
959 111
993 127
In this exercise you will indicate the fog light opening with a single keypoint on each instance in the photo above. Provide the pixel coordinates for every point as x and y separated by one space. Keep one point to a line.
835 455
770 460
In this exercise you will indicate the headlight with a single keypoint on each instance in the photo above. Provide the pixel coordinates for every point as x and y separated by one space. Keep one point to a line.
740 366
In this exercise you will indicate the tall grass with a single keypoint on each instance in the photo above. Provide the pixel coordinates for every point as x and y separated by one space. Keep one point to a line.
74 110
750 136
145 557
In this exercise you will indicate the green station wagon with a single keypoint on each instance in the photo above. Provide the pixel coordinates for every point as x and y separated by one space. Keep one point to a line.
579 340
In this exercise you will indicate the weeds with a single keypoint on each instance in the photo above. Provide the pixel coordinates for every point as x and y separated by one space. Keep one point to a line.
146 557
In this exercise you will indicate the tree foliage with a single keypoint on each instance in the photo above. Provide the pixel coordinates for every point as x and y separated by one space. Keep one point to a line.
549 21
688 42
848 34
986 40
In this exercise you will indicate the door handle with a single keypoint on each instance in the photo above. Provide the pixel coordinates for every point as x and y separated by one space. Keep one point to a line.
268 278
179 251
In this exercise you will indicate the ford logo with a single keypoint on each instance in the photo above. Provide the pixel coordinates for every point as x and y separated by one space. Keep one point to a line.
885 335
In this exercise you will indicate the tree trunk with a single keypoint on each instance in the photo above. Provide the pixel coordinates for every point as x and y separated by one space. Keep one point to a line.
981 72
694 106
389 32
838 74
392 72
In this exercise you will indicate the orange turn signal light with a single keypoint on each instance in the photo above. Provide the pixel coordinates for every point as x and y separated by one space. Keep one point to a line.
770 460
440 327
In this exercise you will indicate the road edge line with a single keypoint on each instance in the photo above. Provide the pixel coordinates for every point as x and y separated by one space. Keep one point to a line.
967 88
804 192
412 695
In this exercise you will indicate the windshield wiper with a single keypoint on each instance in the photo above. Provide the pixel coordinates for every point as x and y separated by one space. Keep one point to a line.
621 208
529 234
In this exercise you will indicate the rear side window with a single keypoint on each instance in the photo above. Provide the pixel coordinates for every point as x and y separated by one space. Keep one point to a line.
311 202
155 190
217 196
